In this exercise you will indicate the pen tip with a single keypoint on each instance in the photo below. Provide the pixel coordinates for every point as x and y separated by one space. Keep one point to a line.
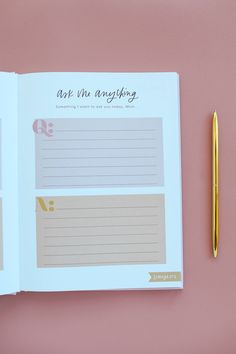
215 253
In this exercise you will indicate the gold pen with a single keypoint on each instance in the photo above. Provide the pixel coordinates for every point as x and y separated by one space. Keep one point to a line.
215 185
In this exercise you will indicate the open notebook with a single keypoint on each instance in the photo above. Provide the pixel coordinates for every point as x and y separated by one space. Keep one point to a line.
90 182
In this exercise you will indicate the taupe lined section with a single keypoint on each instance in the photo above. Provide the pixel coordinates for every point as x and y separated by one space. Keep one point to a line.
102 152
100 230
1 240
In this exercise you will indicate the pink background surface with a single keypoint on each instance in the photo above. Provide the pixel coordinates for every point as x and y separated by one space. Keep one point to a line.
196 39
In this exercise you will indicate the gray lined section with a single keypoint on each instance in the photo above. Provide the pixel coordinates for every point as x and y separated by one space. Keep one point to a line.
0 154
100 230
84 153
1 240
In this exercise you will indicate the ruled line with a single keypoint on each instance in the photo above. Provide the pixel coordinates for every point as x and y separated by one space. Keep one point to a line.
99 235
97 185
98 157
99 166
101 139
99 263
103 130
103 148
110 175
99 217
97 253
95 226
104 244
111 207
